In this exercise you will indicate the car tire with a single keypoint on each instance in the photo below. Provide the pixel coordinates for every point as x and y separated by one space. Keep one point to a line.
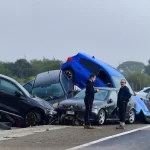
33 118
69 73
132 116
101 117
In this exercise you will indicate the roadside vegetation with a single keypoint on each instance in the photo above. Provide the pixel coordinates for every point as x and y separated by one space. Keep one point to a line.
137 73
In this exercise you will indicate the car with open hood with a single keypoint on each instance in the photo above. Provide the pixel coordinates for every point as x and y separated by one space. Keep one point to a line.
20 107
104 107
52 86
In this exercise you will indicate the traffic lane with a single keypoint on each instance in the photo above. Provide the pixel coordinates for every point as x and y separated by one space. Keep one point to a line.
62 139
134 141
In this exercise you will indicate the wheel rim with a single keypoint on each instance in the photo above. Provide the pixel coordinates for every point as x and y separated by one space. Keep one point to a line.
69 74
31 119
101 117
131 116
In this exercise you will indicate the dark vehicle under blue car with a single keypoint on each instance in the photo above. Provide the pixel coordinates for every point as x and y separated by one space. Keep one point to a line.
52 86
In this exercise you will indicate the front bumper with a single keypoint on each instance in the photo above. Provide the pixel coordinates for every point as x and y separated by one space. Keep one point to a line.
77 114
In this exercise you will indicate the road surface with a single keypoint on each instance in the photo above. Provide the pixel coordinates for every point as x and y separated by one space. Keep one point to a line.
66 137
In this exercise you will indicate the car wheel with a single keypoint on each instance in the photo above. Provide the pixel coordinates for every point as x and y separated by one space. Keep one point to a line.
131 116
69 74
33 118
101 117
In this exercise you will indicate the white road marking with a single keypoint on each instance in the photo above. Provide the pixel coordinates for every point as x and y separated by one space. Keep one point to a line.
10 134
107 138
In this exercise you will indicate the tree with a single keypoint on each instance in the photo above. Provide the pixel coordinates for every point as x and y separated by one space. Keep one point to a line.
138 80
130 67
22 68
147 68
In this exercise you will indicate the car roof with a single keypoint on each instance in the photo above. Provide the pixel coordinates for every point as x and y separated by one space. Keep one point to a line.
48 77
8 78
111 70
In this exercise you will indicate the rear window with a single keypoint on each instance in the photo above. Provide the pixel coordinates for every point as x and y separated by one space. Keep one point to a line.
90 66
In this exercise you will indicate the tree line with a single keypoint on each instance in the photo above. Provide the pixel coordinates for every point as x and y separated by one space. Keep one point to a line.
22 70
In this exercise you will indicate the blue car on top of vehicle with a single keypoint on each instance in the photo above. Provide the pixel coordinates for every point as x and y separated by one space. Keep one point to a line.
79 67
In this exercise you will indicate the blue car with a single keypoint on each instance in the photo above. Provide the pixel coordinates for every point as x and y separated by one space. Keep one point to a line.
79 67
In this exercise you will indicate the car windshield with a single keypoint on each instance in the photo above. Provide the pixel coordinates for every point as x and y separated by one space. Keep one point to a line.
48 92
117 83
101 95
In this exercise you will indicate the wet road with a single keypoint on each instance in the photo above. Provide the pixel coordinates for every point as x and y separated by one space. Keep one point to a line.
64 137
139 140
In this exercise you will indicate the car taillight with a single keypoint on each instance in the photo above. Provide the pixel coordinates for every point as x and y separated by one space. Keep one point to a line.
69 59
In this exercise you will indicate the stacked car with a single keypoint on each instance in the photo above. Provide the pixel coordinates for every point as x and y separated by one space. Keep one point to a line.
50 96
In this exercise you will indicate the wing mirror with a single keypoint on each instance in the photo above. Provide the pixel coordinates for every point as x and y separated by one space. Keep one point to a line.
17 93
109 101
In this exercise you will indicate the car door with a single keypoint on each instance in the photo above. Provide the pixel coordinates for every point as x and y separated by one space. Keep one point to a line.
10 101
112 105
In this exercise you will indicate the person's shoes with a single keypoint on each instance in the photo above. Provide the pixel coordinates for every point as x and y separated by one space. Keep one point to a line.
120 127
88 127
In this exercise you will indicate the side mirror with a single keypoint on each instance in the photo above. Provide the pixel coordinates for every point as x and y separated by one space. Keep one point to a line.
17 93
109 101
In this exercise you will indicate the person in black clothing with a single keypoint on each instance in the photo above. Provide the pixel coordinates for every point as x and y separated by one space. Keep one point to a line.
123 99
88 100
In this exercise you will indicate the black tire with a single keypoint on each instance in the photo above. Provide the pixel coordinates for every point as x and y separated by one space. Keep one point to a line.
101 117
33 118
132 116
69 73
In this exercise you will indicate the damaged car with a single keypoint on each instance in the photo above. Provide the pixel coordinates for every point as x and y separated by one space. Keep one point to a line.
21 108
52 86
104 108
79 67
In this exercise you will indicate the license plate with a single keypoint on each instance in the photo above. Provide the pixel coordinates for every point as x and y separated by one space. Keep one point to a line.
70 112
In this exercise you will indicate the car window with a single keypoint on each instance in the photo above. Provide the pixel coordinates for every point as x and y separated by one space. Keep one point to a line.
28 86
148 95
147 90
52 90
101 95
8 87
113 95
89 65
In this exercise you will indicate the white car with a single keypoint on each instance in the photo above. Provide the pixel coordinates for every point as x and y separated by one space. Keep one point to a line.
143 92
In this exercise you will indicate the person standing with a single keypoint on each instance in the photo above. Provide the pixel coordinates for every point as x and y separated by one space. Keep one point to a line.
123 99
88 100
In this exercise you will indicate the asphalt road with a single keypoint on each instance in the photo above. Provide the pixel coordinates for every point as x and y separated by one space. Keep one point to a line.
62 137
139 140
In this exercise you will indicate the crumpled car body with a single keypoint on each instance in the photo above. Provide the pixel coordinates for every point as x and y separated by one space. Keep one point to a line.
79 67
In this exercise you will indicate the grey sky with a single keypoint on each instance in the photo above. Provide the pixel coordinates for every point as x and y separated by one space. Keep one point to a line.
111 30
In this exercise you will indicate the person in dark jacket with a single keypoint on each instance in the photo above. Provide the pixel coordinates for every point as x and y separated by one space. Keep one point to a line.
122 102
88 100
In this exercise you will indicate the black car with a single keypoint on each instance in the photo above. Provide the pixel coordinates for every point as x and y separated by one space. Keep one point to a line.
104 107
52 86
17 104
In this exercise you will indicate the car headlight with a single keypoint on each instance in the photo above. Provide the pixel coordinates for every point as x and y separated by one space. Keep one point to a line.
51 112
95 110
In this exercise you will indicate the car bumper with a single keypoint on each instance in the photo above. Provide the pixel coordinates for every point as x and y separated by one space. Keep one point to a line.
78 114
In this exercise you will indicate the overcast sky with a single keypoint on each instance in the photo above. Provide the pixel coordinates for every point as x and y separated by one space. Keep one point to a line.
112 30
